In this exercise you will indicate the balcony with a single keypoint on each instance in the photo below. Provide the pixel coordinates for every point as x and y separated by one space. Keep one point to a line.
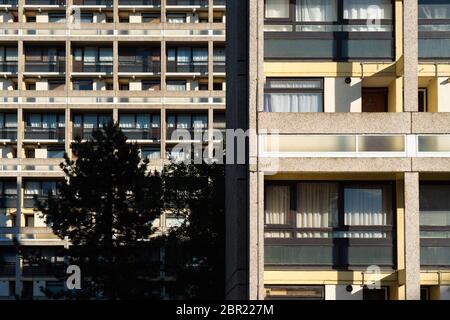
43 269
139 3
83 133
201 3
94 68
8 201
219 67
10 66
93 2
8 133
130 67
30 202
54 67
187 68
32 133
142 134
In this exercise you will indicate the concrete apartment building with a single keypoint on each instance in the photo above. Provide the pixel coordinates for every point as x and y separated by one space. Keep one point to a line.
66 67
348 180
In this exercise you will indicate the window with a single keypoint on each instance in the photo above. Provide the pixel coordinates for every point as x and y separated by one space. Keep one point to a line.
338 30
87 17
56 84
150 17
187 59
55 152
277 9
83 84
435 224
374 99
56 17
151 85
434 27
45 120
293 95
423 98
176 85
176 18
334 224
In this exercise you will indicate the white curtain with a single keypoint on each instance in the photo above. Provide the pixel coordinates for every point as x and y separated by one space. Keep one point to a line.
437 10
176 18
104 119
366 206
367 9
90 55
176 85
200 121
316 10
277 8
317 205
277 204
106 55
200 55
293 102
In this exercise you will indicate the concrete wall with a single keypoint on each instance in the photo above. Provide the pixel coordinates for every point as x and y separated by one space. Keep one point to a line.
342 97
443 87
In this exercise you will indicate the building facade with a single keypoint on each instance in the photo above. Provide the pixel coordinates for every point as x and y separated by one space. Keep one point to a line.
346 191
67 67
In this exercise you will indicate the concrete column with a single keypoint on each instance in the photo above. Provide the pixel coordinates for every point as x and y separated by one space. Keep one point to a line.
210 65
410 55
163 11
163 67
116 13
163 132
210 11
412 236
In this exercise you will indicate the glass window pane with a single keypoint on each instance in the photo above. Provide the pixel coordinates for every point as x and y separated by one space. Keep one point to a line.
434 9
293 102
435 256
305 48
316 10
367 205
381 144
317 205
434 205
277 8
367 9
277 204
304 255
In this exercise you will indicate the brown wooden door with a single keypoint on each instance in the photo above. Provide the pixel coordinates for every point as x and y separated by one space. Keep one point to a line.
374 99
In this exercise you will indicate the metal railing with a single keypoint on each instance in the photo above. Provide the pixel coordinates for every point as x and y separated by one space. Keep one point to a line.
8 133
8 201
142 134
44 133
154 67
93 2
59 67
193 132
139 2
203 3
97 67
191 67
8 66
46 2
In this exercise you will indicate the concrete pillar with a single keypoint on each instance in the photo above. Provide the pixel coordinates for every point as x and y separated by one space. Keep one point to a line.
18 264
163 66
412 236
410 55
210 65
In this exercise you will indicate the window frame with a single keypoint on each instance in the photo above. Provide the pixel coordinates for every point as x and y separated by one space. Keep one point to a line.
339 244
320 90
433 242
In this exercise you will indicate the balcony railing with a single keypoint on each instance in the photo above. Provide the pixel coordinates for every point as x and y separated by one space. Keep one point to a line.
8 133
8 201
203 3
219 67
8 67
98 67
29 200
191 67
219 2
93 2
59 67
83 133
194 133
46 2
44 133
139 2
153 67
142 134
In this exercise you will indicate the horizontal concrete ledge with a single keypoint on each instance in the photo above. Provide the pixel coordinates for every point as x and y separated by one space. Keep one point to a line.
431 164
430 122
335 165
338 123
